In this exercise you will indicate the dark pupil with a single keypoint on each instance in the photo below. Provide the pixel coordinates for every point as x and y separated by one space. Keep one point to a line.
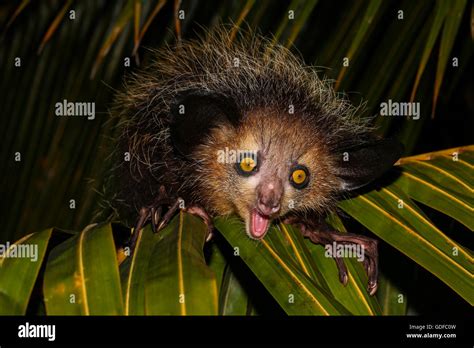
247 158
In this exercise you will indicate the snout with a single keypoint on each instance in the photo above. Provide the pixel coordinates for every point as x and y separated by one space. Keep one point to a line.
269 194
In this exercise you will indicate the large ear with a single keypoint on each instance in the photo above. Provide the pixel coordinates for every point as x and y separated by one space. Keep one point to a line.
194 113
360 165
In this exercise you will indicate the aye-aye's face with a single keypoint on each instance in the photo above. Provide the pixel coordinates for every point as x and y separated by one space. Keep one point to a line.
262 170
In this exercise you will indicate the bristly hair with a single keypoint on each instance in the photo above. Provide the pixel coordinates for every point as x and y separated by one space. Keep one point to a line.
250 70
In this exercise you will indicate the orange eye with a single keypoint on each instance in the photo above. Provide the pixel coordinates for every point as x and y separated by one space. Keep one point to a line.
247 164
299 177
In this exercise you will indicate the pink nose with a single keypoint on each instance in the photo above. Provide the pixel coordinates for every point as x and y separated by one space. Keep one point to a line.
269 193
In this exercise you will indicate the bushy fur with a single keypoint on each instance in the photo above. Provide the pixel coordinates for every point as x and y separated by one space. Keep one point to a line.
253 72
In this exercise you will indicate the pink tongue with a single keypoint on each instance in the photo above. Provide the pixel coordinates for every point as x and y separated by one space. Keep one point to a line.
259 225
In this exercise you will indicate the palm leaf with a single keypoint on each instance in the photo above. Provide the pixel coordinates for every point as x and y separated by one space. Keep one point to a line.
54 25
450 29
441 11
393 300
118 27
294 290
410 231
233 299
82 276
133 272
366 24
18 275
179 282
442 184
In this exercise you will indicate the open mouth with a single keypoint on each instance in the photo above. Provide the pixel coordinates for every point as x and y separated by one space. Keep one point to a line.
259 224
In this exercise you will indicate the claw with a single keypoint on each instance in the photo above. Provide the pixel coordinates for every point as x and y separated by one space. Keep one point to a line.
341 266
199 211
153 213
372 288
210 234
143 217
155 217
169 214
